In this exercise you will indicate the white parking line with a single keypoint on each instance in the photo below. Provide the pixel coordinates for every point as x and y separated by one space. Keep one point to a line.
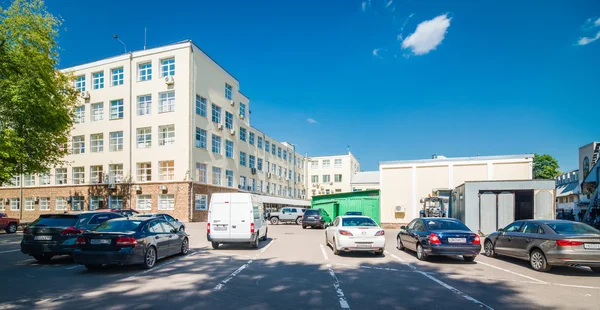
511 272
10 251
244 266
445 285
336 283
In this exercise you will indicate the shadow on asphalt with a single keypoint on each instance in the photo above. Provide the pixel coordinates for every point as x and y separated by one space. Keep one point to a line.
556 270
244 246
439 259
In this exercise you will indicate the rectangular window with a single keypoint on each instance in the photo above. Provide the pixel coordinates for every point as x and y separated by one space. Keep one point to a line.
242 134
44 178
166 135
98 80
251 138
252 161
29 204
259 164
79 115
337 163
97 142
284 155
216 113
166 170
143 202
116 109
76 203
326 163
116 141
279 171
242 110
96 202
228 120
166 202
200 138
267 144
228 91
314 164
144 137
243 159
115 173
97 112
15 181
80 83
326 178
167 67
216 144
96 175
144 172
61 203
15 204
229 177
78 175
144 105
259 143
115 202
216 176
29 180
201 202
273 149
229 148
274 170
242 182
200 106
145 71
117 76
337 178
44 203
166 102
314 179
201 173
78 145
279 152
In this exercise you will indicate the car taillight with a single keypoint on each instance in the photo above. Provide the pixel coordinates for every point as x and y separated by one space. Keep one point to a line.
568 243
434 239
251 228
477 240
208 228
26 230
71 231
80 240
345 233
380 233
126 241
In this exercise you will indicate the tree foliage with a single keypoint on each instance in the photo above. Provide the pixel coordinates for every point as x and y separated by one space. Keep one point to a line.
36 100
545 167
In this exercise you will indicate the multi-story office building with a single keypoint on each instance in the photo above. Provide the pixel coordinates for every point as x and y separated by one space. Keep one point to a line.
159 130
330 174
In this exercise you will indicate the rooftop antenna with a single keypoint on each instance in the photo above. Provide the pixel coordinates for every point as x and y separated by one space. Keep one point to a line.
145 38
117 38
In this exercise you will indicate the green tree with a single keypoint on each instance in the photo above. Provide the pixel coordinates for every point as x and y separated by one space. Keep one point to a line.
545 167
36 100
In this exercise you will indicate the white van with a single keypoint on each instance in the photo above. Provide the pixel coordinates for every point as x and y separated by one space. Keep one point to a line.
236 218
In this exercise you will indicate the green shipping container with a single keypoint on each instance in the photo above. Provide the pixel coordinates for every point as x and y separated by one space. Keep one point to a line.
338 204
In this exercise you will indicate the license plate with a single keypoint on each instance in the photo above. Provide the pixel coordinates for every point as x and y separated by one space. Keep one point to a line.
220 228
42 238
592 246
100 241
310 217
457 240
363 245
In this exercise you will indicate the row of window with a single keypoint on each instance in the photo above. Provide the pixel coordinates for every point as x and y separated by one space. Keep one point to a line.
77 203
166 136
337 178
337 163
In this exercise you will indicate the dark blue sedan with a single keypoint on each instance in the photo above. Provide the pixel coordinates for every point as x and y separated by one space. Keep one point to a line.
439 236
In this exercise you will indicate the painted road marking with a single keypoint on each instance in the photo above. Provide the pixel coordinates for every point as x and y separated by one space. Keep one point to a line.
336 283
511 272
10 251
442 283
244 266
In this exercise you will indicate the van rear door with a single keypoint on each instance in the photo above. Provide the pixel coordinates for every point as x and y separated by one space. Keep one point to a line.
241 216
219 215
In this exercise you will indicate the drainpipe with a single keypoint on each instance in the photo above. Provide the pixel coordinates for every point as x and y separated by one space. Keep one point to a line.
21 204
130 128
192 131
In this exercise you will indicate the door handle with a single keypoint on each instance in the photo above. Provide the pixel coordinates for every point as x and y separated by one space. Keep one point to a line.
529 240
509 238
157 237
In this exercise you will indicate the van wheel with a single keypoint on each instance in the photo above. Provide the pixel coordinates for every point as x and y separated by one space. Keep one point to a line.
254 244
274 220
265 236
299 221
215 245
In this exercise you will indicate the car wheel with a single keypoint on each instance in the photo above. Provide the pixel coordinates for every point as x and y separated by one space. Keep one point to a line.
421 253
538 262
11 228
468 258
215 245
264 238
399 244
595 269
299 221
489 249
274 220
44 258
185 246
334 247
254 244
150 258
93 266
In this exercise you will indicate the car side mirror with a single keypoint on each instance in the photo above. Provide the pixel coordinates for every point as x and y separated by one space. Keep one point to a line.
176 220
403 227
174 231
500 229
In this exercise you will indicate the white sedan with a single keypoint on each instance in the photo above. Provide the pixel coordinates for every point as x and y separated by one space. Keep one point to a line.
355 233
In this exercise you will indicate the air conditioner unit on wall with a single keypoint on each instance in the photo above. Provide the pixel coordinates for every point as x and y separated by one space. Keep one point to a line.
137 188
169 80
112 186
232 132
220 126
163 188
400 209
242 116
232 103
84 95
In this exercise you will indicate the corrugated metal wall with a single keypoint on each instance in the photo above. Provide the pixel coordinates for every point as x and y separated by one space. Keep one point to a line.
506 209
543 206
487 212
366 202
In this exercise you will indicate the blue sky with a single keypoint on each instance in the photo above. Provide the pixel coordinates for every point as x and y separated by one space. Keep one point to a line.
391 79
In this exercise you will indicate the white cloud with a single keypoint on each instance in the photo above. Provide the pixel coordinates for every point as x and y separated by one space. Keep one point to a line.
311 121
364 6
588 40
428 36
597 22
389 3
376 52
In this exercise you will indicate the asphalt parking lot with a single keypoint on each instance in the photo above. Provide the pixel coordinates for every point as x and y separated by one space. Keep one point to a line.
292 270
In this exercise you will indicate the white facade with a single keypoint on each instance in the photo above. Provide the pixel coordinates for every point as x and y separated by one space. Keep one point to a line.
330 174
172 114
568 194
365 180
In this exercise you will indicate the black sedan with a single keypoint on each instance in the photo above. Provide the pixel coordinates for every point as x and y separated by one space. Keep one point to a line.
128 241
439 236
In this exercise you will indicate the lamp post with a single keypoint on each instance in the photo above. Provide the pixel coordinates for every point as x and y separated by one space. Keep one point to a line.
117 38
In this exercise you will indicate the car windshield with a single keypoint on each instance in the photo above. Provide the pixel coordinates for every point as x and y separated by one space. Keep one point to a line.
445 225
145 215
568 228
118 226
358 221
311 212
55 221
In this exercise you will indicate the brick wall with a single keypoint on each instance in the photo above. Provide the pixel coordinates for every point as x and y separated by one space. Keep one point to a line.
206 189
393 225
